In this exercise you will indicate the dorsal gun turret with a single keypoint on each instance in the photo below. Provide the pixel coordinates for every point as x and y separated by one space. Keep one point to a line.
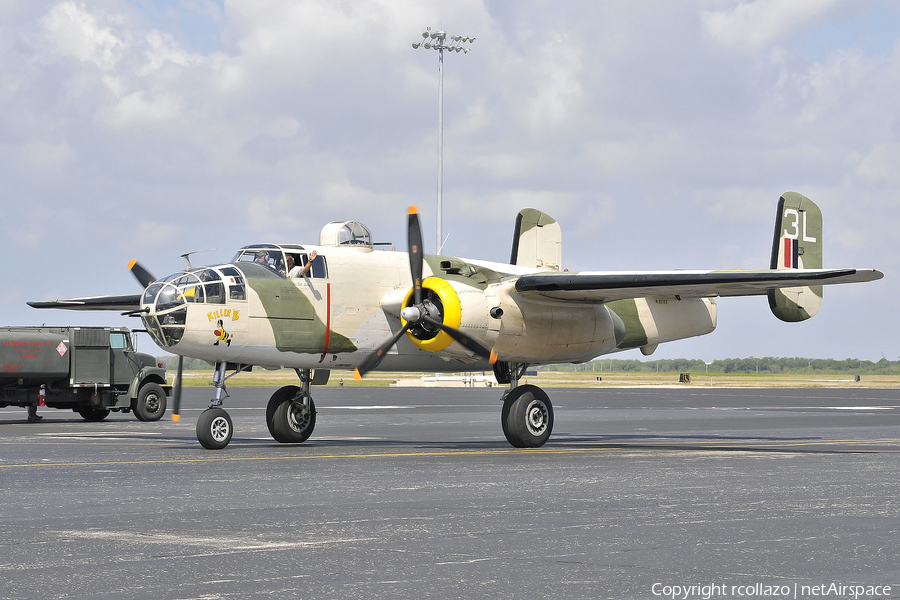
348 234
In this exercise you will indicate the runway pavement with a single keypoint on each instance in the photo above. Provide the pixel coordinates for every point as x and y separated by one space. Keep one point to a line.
414 493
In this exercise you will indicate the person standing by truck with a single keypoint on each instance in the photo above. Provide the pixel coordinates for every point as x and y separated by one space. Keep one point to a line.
33 417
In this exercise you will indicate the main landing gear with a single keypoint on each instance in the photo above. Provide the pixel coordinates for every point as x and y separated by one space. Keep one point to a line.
290 414
527 414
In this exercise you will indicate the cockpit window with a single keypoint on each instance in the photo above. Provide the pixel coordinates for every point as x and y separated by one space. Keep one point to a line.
213 286
215 293
265 256
235 280
319 267
190 288
207 275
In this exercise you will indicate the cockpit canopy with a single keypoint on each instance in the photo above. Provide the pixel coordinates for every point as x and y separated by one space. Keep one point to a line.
345 233
274 257
266 255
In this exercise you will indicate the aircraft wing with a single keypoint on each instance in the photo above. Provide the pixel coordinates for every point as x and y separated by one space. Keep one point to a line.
595 286
120 303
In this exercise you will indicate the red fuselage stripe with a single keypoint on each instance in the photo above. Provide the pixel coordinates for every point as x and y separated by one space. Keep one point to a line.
327 320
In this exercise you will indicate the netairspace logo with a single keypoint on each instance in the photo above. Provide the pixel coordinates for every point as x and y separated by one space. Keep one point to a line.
762 590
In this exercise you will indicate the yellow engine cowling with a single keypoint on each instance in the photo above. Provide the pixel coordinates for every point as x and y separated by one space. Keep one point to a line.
463 307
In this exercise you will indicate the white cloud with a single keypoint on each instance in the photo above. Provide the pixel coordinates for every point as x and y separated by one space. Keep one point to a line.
162 48
137 110
79 34
753 25
47 155
882 165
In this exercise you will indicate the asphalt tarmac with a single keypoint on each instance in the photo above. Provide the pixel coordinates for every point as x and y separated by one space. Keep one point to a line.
414 493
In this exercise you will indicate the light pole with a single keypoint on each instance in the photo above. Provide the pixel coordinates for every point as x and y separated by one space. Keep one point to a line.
438 40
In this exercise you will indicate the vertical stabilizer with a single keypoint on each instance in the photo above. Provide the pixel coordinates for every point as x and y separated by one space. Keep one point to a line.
797 245
537 241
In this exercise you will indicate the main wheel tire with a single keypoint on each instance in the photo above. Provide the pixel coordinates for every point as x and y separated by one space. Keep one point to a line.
285 394
214 428
527 417
89 413
150 404
294 421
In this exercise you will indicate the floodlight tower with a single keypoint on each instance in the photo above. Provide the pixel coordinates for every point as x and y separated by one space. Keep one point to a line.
438 40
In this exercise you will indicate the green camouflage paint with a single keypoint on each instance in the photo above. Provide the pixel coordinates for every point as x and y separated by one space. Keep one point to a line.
635 335
802 218
293 318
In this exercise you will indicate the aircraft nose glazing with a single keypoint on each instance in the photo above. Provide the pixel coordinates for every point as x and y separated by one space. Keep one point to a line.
166 312
166 301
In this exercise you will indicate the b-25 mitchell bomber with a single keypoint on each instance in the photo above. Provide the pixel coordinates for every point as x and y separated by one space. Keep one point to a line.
342 305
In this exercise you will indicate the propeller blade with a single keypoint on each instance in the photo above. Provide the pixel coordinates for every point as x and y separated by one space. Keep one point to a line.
141 274
374 359
416 256
416 265
466 341
176 392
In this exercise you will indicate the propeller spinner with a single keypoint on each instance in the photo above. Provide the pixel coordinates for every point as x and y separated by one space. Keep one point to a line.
419 311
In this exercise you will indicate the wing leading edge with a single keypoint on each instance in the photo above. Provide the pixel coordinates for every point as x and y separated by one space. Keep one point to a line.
600 287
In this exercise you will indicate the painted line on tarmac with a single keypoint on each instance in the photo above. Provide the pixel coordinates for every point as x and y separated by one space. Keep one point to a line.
600 448
311 457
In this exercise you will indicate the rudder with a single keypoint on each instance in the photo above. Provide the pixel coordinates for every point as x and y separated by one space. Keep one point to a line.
537 241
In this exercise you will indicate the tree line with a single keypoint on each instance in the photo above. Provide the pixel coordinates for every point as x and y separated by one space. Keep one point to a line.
766 365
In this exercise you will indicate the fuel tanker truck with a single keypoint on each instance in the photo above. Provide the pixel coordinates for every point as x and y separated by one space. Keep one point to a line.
91 370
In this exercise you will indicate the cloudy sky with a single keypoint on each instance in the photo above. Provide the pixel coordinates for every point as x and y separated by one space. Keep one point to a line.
659 134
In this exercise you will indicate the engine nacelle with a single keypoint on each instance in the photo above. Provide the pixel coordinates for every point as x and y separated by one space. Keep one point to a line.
461 307
536 332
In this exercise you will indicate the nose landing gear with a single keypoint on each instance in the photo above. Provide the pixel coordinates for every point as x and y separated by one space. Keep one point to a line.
214 427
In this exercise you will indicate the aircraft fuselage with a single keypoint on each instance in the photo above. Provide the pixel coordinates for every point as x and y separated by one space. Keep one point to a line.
250 312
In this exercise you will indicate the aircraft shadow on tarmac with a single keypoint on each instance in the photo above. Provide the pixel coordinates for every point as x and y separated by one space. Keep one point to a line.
559 442
572 442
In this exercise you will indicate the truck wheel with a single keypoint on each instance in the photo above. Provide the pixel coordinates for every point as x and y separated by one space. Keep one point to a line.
150 404
214 428
92 414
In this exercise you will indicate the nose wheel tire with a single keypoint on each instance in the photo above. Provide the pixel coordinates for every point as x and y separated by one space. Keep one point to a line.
214 428
527 417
